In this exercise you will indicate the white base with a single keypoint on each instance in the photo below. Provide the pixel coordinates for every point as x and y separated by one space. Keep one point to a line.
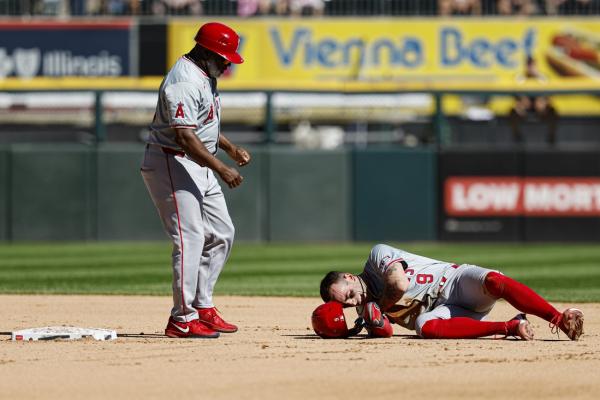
63 332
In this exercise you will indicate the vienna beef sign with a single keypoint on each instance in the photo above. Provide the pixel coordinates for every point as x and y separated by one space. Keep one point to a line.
516 196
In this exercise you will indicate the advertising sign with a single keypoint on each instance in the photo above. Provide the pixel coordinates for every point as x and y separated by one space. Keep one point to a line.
515 196
508 195
405 50
61 49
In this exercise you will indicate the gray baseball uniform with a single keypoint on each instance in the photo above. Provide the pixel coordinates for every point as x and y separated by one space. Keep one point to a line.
187 196
443 290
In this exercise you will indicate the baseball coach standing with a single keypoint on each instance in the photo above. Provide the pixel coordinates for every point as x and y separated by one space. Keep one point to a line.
178 170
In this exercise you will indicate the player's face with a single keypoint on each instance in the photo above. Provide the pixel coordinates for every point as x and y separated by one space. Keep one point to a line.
348 291
216 65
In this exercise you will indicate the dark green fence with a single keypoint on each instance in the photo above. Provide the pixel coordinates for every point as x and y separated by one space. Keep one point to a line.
4 194
124 209
248 203
395 194
51 193
76 192
309 195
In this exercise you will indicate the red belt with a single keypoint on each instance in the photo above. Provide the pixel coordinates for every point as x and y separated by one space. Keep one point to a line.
443 281
173 152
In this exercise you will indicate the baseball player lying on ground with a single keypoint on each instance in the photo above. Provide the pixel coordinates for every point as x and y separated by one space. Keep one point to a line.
438 300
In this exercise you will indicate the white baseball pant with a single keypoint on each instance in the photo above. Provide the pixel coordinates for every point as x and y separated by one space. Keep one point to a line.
463 295
194 214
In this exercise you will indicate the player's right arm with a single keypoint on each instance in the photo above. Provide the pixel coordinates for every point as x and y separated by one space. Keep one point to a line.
395 284
182 101
195 149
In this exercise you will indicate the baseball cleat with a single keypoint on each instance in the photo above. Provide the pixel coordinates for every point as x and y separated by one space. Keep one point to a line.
570 322
193 329
521 327
211 318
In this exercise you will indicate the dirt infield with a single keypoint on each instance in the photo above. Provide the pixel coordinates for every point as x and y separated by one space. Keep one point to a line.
276 356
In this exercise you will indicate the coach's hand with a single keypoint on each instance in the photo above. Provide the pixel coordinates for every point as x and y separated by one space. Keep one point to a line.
240 156
231 176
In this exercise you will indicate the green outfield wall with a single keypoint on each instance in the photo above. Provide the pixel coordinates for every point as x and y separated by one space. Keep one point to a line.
309 195
248 203
394 194
4 194
51 192
124 209
77 192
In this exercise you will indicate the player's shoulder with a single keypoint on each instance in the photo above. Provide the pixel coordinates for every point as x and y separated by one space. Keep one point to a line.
382 255
382 248
175 82
185 70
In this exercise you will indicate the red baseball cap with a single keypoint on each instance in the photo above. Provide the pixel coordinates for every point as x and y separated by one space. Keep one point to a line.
220 39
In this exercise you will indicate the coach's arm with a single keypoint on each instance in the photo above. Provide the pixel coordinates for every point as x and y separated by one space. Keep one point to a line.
395 284
195 149
236 153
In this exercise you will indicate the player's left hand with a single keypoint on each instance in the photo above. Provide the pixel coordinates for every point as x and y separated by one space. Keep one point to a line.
372 314
240 156
377 324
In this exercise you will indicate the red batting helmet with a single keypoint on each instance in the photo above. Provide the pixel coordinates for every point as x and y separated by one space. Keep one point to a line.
329 322
220 39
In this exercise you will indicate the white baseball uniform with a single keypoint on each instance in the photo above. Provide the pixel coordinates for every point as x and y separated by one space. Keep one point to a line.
443 290
188 197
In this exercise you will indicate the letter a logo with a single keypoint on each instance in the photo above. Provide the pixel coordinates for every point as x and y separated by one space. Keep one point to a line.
211 115
179 113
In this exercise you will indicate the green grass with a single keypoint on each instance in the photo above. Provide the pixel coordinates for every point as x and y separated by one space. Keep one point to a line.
560 272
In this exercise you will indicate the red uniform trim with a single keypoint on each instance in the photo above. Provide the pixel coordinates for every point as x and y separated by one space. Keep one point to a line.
401 261
393 261
444 278
173 152
180 233
183 126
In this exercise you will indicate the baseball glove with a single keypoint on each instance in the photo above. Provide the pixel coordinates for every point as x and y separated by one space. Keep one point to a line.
376 323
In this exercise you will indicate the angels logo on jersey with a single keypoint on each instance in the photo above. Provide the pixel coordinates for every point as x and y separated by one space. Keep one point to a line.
211 115
179 113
